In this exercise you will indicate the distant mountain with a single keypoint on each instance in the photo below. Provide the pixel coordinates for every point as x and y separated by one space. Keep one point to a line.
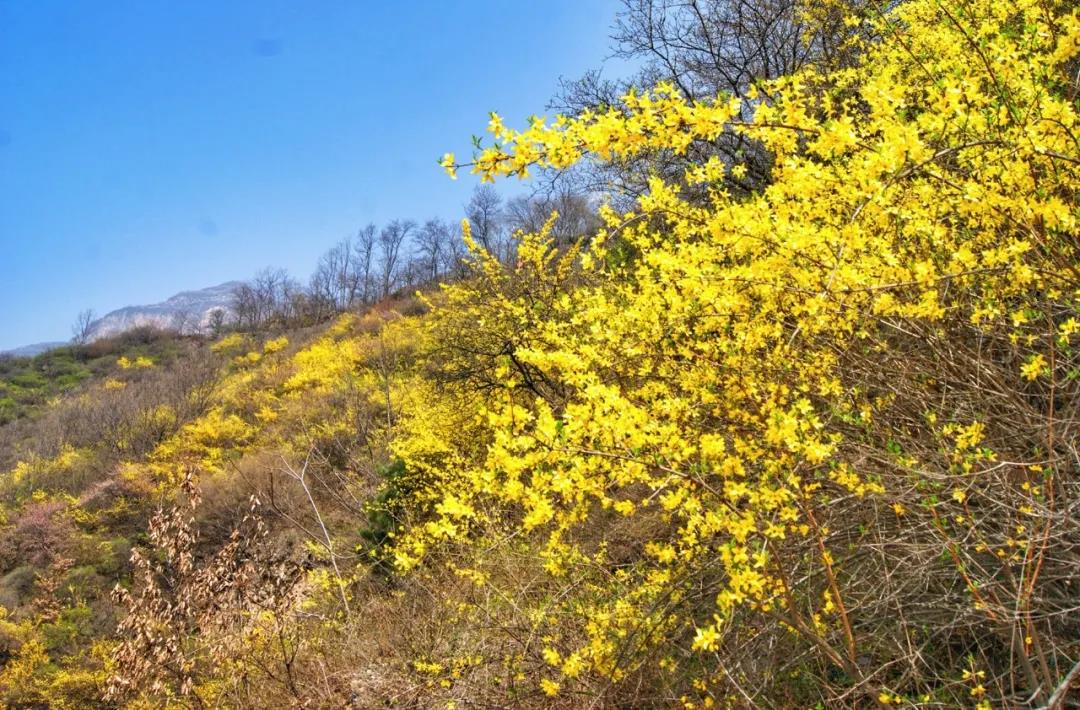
188 311
32 350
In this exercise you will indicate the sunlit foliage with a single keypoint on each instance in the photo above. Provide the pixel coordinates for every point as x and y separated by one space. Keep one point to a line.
810 445
717 373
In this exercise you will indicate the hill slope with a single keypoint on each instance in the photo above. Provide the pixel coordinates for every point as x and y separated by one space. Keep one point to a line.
812 446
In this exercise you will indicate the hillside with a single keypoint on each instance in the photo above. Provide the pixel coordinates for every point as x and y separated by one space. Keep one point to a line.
29 384
796 426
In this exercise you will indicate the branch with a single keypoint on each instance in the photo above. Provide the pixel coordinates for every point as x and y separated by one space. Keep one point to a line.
1057 700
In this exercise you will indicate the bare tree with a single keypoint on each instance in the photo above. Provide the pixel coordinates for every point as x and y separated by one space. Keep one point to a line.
215 321
320 301
322 283
364 255
708 48
243 302
272 289
392 238
269 297
289 302
432 243
485 215
455 265
183 321
339 277
577 217
83 327
346 283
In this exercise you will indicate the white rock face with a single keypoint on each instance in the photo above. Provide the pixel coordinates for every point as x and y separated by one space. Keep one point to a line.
189 312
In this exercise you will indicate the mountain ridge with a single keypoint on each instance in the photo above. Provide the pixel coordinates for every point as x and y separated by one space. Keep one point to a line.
33 349
187 311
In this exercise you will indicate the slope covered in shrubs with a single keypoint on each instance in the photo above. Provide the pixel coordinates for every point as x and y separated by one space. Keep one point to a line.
808 445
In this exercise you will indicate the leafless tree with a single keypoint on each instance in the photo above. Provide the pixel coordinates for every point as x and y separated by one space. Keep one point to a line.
270 297
392 239
364 255
289 302
341 275
326 277
707 48
183 321
273 290
320 302
83 327
485 215
455 265
432 243
577 217
244 303
215 322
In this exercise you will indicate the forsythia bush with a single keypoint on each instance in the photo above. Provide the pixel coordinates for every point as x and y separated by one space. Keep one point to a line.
837 416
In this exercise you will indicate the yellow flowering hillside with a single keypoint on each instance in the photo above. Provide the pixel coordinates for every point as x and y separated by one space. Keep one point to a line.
805 441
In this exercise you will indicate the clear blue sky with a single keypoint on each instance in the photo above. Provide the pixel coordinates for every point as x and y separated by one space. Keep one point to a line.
147 147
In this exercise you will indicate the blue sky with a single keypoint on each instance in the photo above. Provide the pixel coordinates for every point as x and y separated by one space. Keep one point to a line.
147 147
